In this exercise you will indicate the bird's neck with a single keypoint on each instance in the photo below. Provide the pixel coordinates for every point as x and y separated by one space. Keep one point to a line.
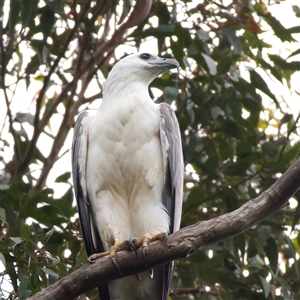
116 90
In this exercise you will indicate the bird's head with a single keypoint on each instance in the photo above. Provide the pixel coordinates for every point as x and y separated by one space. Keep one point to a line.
142 67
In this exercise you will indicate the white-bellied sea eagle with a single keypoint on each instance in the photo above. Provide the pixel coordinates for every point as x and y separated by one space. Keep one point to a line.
128 172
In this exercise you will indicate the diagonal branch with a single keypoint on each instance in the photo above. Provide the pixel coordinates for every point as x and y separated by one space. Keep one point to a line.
38 128
180 244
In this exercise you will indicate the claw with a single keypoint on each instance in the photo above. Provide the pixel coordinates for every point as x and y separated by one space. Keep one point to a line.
151 273
90 260
144 252
116 264
138 277
131 244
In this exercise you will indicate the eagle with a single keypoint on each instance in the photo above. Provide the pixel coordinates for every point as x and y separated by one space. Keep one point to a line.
127 168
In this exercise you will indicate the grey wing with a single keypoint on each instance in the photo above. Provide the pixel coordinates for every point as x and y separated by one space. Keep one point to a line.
173 163
174 171
90 234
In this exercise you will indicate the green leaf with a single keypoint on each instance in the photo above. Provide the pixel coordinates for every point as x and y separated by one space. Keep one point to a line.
2 216
16 240
63 177
240 243
236 169
292 251
212 66
234 40
50 272
56 6
252 249
49 233
170 94
28 11
286 118
23 279
264 232
276 71
272 253
266 286
2 259
202 34
183 34
282 63
24 117
270 151
33 66
294 29
260 84
162 30
14 11
25 231
46 22
231 129
294 53
296 10
279 30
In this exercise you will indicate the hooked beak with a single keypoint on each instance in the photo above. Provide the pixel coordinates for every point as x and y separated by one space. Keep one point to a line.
166 63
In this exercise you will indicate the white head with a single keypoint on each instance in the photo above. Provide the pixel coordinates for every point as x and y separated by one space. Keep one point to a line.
139 68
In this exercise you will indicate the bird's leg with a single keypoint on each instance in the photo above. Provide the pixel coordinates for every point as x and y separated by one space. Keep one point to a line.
148 238
119 245
132 244
144 242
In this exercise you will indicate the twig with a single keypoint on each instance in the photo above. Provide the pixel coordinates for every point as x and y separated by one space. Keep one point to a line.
38 127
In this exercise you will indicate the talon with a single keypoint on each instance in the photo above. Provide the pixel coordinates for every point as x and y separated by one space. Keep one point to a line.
151 273
144 251
131 244
137 276
116 264
90 260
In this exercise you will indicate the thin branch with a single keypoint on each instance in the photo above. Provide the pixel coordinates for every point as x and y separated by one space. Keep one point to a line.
38 127
222 192
288 135
180 244
293 213
199 290
10 120
89 68
92 98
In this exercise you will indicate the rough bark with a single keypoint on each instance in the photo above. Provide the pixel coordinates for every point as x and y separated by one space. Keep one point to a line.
180 244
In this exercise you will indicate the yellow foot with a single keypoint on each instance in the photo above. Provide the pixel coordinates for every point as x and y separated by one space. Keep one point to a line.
148 238
118 246
93 257
131 244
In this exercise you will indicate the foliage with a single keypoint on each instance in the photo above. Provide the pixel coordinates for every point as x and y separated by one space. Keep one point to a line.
238 133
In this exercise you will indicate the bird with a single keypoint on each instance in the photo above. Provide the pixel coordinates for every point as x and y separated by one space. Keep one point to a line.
127 168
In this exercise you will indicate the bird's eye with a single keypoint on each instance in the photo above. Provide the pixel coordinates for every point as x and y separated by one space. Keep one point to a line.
145 56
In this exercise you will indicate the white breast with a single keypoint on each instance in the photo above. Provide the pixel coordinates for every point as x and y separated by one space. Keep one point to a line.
125 169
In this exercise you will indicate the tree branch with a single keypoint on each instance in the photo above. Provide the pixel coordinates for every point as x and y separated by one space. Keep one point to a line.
180 244
39 125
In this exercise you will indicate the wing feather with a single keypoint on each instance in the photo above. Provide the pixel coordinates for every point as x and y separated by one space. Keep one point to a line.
90 234
174 170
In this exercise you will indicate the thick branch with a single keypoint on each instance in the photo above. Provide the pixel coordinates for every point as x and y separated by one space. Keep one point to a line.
180 244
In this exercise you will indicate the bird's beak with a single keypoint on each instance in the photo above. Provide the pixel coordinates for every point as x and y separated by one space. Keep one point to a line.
166 63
